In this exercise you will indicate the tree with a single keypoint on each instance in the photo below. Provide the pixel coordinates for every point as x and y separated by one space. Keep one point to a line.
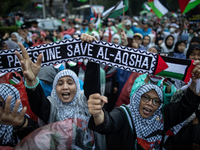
8 6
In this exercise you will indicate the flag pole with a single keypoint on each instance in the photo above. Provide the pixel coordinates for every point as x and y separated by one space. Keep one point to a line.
123 19
43 9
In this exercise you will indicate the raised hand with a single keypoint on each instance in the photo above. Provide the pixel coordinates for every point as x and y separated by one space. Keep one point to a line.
124 38
6 36
12 118
30 69
100 33
87 38
75 36
95 105
22 33
196 73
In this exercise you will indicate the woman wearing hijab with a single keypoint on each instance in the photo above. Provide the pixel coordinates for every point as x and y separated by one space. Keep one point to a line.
34 38
116 39
95 34
13 121
188 136
16 37
145 42
41 39
193 52
152 40
9 45
195 40
179 50
159 39
145 121
67 102
168 45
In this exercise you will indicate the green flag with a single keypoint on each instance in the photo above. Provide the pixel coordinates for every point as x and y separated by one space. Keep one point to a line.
146 7
190 5
116 10
39 6
159 7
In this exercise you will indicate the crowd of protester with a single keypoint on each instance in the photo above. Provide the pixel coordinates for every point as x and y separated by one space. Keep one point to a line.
83 105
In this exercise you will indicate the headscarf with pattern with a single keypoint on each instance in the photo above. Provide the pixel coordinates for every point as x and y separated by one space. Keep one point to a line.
145 127
77 110
66 110
6 131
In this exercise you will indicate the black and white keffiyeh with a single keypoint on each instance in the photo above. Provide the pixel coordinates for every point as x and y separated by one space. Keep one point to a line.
144 127
6 131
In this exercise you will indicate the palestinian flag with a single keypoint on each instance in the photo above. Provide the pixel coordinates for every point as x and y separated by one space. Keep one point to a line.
14 81
159 7
168 81
146 7
187 5
98 22
116 10
174 14
178 68
38 6
71 63
95 14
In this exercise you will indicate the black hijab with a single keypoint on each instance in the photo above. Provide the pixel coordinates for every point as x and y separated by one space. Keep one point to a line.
191 48
176 46
169 47
158 38
197 39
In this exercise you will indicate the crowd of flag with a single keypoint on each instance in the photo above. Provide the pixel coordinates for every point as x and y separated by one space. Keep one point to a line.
158 7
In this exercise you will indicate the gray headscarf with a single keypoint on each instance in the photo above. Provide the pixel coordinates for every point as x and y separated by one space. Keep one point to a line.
6 131
116 36
11 44
47 73
77 110
19 38
78 104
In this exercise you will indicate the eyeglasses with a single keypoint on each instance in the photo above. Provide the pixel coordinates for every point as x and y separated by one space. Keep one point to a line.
146 99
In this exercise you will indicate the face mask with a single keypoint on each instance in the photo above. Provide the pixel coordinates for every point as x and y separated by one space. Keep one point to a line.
171 30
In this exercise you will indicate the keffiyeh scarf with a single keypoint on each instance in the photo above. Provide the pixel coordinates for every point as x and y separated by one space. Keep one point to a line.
6 131
149 130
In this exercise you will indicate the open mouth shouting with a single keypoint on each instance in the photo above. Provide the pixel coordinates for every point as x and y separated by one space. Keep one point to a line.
66 95
146 110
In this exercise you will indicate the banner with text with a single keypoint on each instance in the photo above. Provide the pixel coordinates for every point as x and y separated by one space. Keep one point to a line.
97 51
73 49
